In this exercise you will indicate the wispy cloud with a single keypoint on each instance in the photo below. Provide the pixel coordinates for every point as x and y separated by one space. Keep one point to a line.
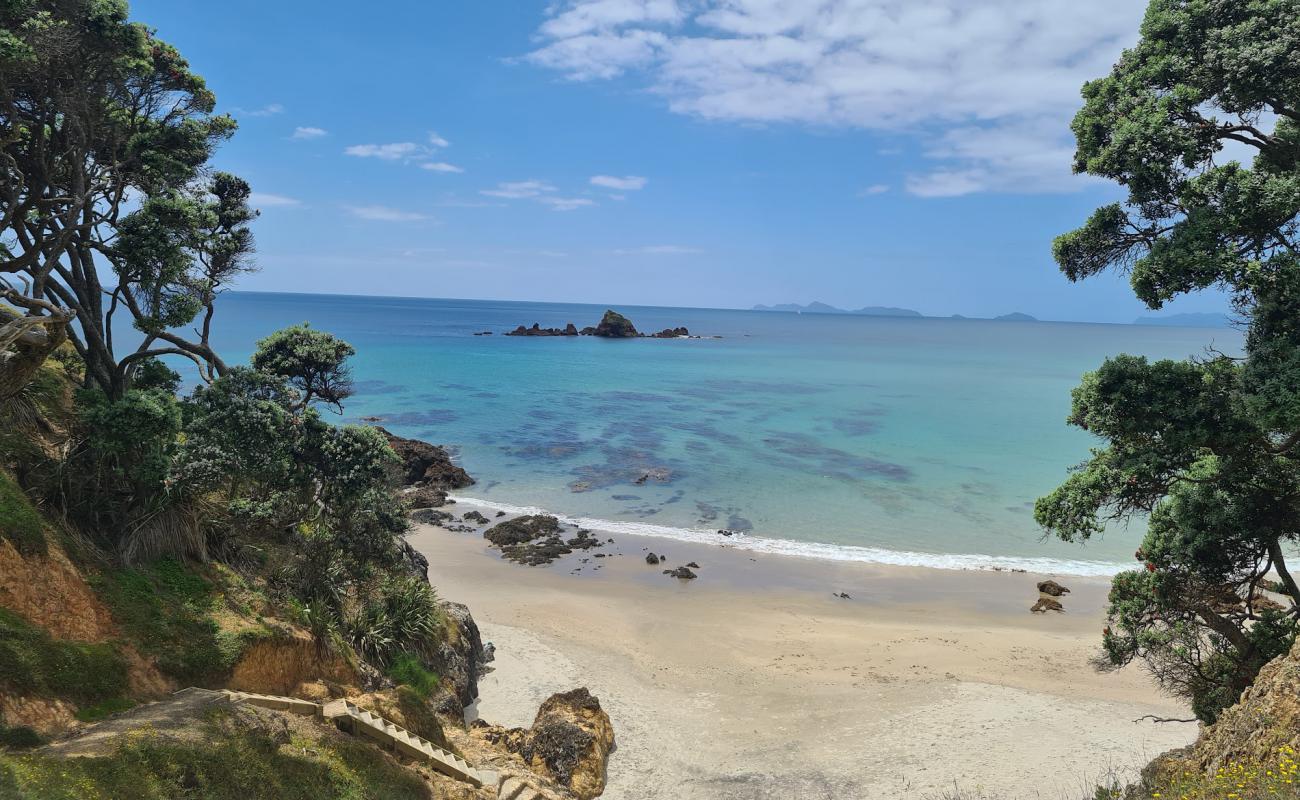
437 141
440 166
628 183
875 188
396 151
659 250
308 133
518 190
566 203
986 90
265 111
268 200
385 214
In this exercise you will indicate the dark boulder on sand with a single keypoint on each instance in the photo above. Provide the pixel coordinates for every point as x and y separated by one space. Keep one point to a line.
536 539
1052 588
651 558
1046 604
682 573
522 529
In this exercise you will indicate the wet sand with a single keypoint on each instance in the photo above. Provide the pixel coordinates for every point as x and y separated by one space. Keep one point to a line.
758 681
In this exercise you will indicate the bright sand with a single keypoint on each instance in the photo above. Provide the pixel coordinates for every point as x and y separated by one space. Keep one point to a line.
755 681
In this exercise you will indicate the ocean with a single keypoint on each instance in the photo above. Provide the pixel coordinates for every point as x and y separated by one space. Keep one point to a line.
890 440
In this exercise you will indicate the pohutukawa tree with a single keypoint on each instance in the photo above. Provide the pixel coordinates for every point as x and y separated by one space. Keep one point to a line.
108 212
1200 122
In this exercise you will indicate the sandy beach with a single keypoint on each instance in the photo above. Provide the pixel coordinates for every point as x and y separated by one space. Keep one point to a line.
758 681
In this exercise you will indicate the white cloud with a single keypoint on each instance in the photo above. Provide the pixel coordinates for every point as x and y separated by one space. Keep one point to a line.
388 152
659 250
308 133
875 188
986 90
629 183
440 166
518 190
438 141
384 214
566 203
268 200
265 111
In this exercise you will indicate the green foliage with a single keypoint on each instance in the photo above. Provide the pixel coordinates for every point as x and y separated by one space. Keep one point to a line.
31 662
312 362
103 123
400 618
408 670
19 522
131 440
229 763
1207 451
19 738
168 610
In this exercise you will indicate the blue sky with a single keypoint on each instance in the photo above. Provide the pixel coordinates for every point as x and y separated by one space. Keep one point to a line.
677 152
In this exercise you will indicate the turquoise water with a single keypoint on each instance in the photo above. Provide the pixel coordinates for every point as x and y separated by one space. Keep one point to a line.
920 441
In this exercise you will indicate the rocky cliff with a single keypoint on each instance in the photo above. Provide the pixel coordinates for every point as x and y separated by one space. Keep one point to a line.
1251 751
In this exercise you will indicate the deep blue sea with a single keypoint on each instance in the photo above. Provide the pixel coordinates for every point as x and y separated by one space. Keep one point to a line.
911 441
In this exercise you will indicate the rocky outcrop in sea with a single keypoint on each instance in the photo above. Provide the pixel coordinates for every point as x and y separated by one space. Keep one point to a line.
612 325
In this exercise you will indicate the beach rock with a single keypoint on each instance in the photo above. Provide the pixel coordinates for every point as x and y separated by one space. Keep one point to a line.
521 530
692 565
424 496
424 464
843 596
413 559
475 516
569 742
501 514
536 539
615 326
430 516
1046 604
682 573
459 658
651 558
1052 588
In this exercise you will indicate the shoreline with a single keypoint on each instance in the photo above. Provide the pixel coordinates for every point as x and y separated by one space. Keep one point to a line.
817 550
757 680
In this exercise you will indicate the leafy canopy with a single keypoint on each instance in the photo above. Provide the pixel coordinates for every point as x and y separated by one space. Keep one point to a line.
1200 122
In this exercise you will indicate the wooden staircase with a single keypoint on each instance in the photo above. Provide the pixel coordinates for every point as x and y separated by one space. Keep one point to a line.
360 722
353 719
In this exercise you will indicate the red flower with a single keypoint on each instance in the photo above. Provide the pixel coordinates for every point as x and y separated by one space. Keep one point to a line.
1151 567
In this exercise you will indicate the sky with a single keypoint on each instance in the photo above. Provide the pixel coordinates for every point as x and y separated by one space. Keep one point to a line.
718 153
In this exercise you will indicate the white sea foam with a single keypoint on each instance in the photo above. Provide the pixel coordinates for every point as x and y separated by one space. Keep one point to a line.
828 552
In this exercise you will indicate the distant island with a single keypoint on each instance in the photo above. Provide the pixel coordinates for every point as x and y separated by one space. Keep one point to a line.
612 326
823 308
1194 320
1016 316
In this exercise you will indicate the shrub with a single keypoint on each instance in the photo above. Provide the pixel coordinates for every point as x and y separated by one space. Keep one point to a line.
409 671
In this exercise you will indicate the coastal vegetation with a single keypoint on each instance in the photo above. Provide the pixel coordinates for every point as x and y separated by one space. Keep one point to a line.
1206 451
162 530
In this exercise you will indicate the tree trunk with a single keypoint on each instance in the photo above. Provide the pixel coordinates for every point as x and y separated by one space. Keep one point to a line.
25 343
